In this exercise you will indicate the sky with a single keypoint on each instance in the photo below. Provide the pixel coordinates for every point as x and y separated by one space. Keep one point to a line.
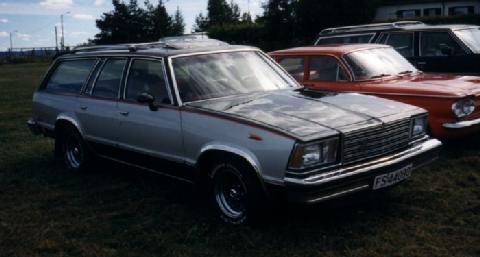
32 22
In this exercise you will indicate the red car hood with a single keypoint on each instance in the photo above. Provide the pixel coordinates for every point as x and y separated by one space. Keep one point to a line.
433 84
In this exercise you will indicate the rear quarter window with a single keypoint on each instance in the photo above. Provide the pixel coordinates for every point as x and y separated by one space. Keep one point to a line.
70 76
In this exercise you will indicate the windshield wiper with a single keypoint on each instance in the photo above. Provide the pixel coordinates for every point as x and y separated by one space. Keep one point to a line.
406 72
380 76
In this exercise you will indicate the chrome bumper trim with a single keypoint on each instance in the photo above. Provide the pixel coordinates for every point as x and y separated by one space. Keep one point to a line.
338 194
34 127
344 173
462 124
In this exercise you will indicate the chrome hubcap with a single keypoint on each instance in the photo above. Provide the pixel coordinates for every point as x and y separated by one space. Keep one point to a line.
230 193
73 152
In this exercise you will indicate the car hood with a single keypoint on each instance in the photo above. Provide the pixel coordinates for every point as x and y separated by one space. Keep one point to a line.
309 115
435 84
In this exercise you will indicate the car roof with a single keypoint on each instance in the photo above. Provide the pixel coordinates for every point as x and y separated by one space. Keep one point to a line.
165 47
336 49
394 26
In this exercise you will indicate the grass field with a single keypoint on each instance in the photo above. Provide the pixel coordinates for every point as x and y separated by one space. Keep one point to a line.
119 211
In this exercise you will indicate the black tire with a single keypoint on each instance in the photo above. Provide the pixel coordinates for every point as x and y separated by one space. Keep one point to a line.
72 152
236 192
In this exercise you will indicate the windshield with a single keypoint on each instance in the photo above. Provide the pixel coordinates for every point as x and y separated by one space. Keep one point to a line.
377 63
201 77
471 37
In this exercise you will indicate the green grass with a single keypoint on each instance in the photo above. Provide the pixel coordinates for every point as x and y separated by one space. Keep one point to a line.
119 211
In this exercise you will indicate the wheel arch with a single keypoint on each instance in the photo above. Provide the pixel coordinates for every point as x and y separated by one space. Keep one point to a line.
212 152
66 120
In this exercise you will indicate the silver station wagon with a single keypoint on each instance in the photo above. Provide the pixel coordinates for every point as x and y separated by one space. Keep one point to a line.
226 117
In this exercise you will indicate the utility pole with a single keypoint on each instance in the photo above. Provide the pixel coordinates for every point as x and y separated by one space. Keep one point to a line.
56 39
62 40
11 40
11 43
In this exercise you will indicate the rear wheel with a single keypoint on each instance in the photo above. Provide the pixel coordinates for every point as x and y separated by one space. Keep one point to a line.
237 194
72 151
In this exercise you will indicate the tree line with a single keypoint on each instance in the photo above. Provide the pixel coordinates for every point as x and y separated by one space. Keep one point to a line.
131 23
283 23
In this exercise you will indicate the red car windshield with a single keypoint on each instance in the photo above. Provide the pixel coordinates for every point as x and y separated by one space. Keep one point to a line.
377 63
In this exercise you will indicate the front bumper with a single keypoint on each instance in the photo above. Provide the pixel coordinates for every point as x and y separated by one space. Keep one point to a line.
34 127
462 124
355 178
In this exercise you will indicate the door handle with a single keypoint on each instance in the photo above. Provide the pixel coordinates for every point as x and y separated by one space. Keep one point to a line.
421 63
124 113
83 107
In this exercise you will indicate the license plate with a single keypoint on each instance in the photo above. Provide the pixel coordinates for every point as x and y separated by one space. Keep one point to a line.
392 178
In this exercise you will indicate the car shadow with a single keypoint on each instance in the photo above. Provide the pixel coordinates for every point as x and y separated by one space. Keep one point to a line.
346 210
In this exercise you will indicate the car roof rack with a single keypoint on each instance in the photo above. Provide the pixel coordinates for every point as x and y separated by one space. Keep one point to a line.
373 26
194 40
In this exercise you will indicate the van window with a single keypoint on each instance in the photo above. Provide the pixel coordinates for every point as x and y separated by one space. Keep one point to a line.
108 83
70 76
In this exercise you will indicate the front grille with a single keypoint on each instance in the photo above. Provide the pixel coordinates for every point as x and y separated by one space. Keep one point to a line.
377 141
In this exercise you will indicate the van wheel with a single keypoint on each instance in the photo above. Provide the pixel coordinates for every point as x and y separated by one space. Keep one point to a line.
72 152
237 193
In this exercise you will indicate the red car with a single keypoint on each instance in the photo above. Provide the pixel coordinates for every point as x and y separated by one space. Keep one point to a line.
452 101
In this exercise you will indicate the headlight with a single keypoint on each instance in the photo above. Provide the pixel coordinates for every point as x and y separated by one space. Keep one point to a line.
463 107
313 154
419 125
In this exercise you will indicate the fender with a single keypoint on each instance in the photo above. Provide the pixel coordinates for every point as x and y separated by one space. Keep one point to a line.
239 151
69 118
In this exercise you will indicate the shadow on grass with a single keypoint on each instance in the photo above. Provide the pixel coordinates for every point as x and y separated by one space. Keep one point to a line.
128 209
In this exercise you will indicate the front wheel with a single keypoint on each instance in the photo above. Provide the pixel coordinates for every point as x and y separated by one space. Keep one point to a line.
237 194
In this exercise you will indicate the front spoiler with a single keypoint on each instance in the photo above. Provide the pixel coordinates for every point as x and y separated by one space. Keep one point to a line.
351 179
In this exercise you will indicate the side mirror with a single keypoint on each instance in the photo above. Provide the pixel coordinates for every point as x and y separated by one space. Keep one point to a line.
147 98
447 50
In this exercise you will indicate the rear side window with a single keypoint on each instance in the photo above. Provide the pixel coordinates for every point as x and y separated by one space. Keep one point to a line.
402 42
294 66
146 76
70 76
326 68
108 82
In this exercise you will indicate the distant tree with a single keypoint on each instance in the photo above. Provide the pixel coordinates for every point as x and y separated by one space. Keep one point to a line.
312 16
159 23
246 18
235 13
131 23
279 18
219 13
121 24
293 22
178 25
201 23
